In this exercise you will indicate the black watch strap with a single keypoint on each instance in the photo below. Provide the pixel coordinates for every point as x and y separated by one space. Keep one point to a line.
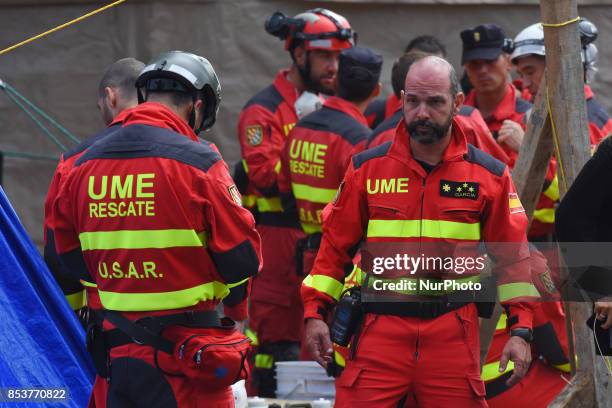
522 332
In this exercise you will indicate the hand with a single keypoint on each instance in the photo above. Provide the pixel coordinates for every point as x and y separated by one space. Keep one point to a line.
318 341
603 311
511 134
519 352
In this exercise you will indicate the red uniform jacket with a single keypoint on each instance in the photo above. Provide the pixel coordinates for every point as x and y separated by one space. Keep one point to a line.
470 120
263 127
421 208
511 107
152 215
316 156
381 109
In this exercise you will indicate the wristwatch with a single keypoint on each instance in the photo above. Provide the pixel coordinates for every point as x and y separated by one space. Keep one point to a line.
522 332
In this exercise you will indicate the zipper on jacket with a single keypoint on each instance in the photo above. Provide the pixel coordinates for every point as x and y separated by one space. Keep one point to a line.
198 356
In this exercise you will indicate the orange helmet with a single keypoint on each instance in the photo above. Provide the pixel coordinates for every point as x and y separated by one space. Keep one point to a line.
316 29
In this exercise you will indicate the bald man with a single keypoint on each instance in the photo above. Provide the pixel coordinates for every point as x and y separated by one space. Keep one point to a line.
426 193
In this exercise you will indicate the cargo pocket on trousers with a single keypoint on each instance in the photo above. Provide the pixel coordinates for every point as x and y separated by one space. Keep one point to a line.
477 386
349 376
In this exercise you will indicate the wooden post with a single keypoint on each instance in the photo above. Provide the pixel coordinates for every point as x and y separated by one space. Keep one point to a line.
569 123
528 176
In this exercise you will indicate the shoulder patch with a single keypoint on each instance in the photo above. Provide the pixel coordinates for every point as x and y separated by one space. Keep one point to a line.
143 141
596 113
378 151
389 123
268 97
337 122
521 105
466 110
477 156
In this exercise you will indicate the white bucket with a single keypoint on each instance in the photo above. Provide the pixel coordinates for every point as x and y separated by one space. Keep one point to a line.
303 380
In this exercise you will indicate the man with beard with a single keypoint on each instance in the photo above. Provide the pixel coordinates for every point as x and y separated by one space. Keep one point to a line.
314 40
443 193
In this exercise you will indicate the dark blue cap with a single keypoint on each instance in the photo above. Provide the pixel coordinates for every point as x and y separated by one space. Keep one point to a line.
485 41
359 64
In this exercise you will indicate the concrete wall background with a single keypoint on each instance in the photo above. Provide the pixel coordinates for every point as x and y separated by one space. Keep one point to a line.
60 72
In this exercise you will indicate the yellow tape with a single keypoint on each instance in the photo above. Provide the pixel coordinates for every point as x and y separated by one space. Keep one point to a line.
563 24
69 23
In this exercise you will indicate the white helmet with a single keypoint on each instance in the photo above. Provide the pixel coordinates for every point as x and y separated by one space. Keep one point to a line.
529 41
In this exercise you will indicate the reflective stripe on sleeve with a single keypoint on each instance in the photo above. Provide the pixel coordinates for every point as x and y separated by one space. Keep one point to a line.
544 215
511 291
325 284
272 204
141 239
77 300
265 361
552 191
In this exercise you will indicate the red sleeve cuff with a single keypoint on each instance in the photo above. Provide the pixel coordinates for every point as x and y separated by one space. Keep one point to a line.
519 316
315 309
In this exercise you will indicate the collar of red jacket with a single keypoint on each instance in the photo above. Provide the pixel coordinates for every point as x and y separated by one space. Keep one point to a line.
158 115
285 87
504 110
342 105
400 148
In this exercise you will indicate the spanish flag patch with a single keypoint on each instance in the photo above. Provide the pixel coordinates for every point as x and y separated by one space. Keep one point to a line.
515 204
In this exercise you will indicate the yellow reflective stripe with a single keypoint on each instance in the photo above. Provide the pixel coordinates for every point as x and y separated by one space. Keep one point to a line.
252 336
77 300
355 278
265 361
141 239
545 215
134 302
510 291
88 284
491 371
313 194
272 204
430 229
249 200
339 359
233 285
502 322
552 191
566 368
245 166
277 167
311 228
325 284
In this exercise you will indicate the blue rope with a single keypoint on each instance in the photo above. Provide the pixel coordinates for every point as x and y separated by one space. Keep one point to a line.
42 113
37 122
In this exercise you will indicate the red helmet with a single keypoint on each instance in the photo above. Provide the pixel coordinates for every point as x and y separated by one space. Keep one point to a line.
316 29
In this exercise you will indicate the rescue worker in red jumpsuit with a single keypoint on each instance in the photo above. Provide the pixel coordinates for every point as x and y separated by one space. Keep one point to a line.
468 118
545 378
381 109
314 40
439 191
319 148
151 215
116 92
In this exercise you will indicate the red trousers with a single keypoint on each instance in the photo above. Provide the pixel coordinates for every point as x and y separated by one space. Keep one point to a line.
276 311
539 387
415 363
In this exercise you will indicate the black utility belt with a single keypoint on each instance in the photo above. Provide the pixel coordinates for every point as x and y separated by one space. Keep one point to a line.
423 310
147 330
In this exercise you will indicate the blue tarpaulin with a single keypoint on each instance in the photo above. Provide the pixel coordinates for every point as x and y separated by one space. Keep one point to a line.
42 343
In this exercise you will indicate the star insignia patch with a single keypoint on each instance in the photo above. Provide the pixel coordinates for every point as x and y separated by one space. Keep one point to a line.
459 189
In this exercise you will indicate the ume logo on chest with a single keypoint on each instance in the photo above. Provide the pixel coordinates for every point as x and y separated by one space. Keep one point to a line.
386 186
